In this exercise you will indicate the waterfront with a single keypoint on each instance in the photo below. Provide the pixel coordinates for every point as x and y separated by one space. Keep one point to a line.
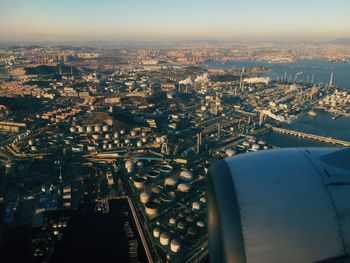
93 237
321 69
322 124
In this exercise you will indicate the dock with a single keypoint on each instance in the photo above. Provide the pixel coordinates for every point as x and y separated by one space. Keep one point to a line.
139 228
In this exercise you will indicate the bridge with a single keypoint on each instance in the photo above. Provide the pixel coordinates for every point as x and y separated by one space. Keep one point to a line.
310 136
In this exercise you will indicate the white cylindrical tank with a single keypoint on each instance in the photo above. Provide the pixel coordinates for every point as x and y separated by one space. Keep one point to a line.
261 142
246 144
80 129
186 175
91 148
72 129
181 225
139 183
164 239
133 133
157 189
98 128
196 206
89 129
172 221
184 187
156 232
200 224
139 144
255 147
96 136
33 148
144 197
175 245
189 219
129 165
105 128
151 209
170 181
230 152
166 169
31 142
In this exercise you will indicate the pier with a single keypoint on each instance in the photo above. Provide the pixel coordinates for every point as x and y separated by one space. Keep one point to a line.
310 136
139 229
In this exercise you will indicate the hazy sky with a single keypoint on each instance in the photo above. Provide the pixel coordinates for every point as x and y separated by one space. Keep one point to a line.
50 20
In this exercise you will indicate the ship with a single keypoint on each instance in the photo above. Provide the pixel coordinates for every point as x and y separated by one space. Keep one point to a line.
312 113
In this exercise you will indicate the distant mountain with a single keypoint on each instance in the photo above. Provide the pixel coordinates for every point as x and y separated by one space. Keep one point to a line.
340 41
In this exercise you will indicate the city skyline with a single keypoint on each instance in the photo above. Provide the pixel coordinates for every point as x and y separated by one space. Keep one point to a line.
173 20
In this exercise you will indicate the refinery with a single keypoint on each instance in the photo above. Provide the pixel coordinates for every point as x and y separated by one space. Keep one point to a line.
85 130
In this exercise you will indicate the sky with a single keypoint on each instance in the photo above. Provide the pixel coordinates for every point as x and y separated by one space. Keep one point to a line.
163 20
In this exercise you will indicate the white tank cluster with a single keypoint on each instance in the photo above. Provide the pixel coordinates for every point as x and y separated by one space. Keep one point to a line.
165 240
